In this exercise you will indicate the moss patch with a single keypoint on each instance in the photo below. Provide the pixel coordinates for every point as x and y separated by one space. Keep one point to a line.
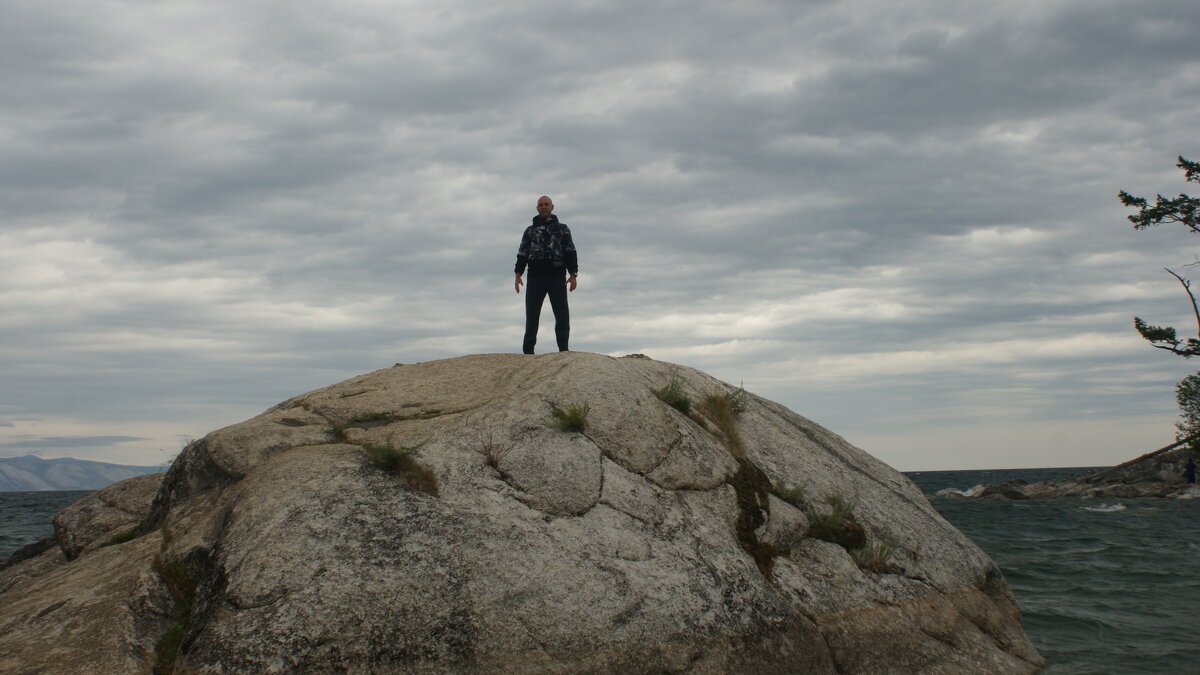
338 433
372 420
182 577
751 484
753 488
128 535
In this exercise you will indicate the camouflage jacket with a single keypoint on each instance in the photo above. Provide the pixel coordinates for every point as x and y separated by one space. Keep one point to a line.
547 248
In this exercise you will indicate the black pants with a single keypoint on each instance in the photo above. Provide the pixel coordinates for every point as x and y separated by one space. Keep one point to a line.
536 290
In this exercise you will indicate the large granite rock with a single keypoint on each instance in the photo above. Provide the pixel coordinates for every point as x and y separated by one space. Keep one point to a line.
650 541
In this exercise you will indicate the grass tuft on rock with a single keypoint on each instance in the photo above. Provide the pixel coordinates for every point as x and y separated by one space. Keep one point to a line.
875 557
494 451
572 418
796 495
720 411
402 461
672 394
837 525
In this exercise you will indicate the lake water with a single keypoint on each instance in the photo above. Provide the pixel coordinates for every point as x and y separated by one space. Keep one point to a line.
25 517
1104 585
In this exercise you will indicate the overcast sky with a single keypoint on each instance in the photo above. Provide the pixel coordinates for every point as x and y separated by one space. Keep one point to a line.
897 218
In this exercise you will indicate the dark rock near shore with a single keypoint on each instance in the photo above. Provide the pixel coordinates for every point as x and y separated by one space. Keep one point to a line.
1159 475
29 551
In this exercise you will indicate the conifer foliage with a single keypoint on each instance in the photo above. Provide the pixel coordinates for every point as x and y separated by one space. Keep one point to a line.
1185 210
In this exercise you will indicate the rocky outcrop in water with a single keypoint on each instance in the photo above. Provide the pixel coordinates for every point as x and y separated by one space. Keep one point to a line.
1158 474
428 518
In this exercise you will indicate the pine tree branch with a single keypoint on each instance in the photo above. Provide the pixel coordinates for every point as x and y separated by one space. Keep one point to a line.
1187 286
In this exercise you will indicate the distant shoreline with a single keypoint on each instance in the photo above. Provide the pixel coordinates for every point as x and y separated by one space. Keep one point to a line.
30 473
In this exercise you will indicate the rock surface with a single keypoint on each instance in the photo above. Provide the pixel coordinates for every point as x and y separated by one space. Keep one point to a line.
650 541
117 509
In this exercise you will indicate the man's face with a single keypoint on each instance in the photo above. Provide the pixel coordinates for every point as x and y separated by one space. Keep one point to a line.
545 207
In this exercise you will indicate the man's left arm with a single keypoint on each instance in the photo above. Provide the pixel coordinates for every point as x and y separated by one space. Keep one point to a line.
571 258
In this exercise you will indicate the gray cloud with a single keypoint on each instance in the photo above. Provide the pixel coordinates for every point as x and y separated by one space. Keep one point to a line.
896 218
59 442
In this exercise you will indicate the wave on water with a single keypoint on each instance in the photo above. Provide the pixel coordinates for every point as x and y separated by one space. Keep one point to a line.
1191 493
1105 508
971 492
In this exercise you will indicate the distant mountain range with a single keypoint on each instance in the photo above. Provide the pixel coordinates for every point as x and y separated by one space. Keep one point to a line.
29 474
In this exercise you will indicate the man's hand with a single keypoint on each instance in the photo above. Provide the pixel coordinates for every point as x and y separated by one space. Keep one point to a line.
517 285
571 282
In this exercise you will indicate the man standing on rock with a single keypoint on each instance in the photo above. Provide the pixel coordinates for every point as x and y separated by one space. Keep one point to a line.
548 250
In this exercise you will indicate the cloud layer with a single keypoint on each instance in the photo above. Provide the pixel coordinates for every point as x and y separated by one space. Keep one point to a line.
897 218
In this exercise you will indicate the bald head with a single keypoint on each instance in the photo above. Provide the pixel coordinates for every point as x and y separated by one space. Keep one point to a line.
544 206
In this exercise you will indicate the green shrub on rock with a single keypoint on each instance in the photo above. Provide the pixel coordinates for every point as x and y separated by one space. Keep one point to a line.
672 394
739 399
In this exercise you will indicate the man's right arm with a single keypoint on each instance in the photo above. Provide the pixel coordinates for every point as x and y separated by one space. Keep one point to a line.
522 259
